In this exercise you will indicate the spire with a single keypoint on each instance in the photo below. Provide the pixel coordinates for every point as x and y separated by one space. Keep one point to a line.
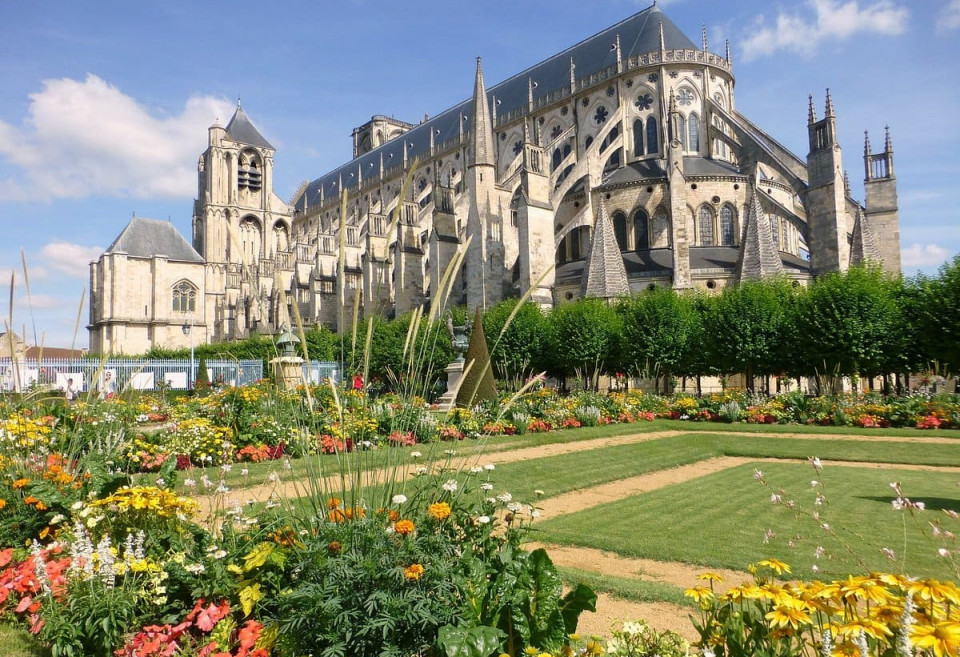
759 256
887 142
242 130
619 55
663 46
729 57
483 153
863 245
604 275
573 76
866 142
703 36
530 86
829 111
811 112
846 183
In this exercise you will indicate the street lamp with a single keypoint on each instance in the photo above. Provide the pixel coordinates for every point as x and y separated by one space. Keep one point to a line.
188 330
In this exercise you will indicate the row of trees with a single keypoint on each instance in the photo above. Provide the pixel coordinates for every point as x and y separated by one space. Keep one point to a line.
855 323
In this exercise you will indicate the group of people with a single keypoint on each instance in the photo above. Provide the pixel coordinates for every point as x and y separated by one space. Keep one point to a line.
108 388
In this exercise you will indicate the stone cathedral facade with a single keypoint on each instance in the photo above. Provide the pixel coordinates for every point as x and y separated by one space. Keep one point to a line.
618 164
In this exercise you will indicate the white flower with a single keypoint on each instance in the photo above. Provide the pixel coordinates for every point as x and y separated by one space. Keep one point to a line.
160 482
943 552
450 452
476 470
421 470
538 493
816 463
708 653
76 506
776 499
450 486
514 507
226 467
219 554
222 488
483 520
399 499
415 455
189 483
486 486
195 568
504 497
245 472
57 519
489 466
274 477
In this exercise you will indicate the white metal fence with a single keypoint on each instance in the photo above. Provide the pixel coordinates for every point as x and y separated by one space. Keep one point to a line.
140 374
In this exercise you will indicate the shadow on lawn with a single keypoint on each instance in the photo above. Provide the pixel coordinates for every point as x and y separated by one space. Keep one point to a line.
930 503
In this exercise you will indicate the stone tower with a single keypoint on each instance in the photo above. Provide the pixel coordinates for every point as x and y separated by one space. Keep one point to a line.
882 213
825 201
535 225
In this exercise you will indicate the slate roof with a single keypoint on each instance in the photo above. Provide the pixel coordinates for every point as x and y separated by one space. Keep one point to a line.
145 238
605 277
242 130
639 34
759 255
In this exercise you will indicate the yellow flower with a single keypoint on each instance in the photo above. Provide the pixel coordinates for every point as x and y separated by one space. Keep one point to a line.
710 577
943 638
864 588
775 565
935 590
699 593
789 612
439 510
413 572
868 626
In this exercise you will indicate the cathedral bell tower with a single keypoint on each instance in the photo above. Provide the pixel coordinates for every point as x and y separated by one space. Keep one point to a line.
826 202
882 213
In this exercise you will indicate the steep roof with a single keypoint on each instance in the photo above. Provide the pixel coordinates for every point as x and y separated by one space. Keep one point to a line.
639 34
241 129
145 238
605 276
759 256
863 245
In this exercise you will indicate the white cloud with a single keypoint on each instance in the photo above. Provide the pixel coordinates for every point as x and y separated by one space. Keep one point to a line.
70 259
834 20
949 18
923 255
88 138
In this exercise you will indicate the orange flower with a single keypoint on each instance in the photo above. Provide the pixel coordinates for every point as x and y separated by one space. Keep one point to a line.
334 503
333 547
3 503
414 572
404 527
394 515
439 510
20 483
336 515
30 499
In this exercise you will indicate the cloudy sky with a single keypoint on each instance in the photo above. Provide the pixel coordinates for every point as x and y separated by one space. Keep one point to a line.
104 114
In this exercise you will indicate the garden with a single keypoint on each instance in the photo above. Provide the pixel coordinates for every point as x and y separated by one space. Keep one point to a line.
338 520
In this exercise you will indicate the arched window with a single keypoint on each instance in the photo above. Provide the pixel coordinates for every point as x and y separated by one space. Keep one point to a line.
587 143
641 234
250 239
706 226
727 236
281 238
661 228
248 173
775 229
557 159
184 297
682 131
638 138
694 130
652 139
620 229
613 162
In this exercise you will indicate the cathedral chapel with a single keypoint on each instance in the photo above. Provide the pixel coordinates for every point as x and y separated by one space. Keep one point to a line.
614 166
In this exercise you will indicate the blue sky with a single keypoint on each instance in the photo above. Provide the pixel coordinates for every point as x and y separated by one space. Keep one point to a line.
103 114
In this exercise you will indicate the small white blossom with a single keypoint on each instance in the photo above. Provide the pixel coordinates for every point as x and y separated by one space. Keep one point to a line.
504 497
943 552
486 486
421 470
415 455
57 519
538 493
245 472
450 486
189 483
515 507
399 499
476 470
489 466
483 520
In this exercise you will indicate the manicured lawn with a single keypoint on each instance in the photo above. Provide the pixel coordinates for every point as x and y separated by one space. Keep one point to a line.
720 520
626 588
17 642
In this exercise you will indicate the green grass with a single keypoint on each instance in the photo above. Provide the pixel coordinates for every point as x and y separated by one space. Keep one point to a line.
719 521
626 588
17 642
812 429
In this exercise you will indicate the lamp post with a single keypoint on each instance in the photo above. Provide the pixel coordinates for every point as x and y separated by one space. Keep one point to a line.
188 330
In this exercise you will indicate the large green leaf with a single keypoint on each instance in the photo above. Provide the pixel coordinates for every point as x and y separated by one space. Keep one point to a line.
479 641
582 598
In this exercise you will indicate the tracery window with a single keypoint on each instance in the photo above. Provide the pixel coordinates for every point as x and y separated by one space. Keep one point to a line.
661 228
641 234
727 237
694 130
775 229
682 131
638 138
620 229
706 226
652 139
184 297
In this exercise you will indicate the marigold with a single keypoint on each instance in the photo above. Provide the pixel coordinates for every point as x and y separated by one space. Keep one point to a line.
439 510
3 503
404 527
333 503
20 483
333 547
414 572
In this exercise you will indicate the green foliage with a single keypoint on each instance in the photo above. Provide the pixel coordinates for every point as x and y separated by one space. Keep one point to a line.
516 353
848 323
584 339
477 385
745 328
201 381
661 332
935 316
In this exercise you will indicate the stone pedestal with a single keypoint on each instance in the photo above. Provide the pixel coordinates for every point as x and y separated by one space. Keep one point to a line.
454 373
287 372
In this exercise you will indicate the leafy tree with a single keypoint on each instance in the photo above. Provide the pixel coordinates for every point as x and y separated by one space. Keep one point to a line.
659 329
202 378
847 323
517 352
935 318
584 339
745 328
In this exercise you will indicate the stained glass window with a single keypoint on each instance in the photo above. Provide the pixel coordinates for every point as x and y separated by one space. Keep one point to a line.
706 226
